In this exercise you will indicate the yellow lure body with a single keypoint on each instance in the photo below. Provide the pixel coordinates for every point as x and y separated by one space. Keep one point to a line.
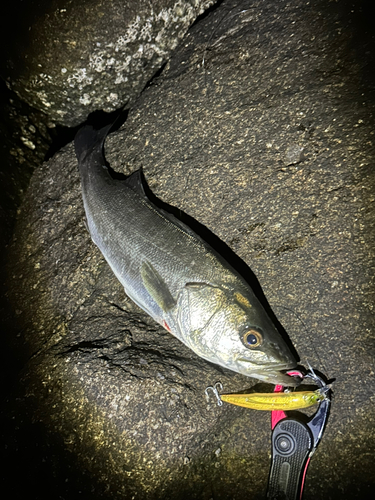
276 400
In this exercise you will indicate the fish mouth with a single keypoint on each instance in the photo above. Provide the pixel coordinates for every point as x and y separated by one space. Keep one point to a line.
281 374
274 373
278 367
278 377
287 378
274 364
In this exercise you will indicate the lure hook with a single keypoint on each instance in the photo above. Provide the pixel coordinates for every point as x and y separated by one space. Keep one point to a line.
215 389
324 388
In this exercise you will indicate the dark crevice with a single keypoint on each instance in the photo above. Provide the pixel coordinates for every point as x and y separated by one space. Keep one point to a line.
208 12
155 77
62 136
86 345
117 307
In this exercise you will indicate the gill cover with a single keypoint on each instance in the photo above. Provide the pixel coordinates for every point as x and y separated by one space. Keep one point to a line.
212 321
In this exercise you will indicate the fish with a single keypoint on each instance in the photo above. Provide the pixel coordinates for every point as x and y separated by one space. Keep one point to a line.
277 400
174 275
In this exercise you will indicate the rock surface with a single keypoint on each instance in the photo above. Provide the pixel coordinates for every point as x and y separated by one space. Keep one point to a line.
64 60
68 59
108 404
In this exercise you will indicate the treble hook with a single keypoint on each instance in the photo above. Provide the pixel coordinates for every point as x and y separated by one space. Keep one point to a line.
324 388
215 389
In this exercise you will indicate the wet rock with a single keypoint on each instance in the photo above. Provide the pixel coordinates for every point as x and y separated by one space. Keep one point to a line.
117 404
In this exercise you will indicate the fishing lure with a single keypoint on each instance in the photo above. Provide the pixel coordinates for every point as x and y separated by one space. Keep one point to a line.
277 400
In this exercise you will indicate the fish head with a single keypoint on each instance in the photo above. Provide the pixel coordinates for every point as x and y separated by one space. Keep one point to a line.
232 329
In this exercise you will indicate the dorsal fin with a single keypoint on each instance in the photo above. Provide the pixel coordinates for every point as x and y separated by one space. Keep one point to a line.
136 182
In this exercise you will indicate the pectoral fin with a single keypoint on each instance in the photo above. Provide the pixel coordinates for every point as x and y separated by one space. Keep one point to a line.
156 287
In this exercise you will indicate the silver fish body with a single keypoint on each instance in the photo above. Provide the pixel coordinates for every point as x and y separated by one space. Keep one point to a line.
176 277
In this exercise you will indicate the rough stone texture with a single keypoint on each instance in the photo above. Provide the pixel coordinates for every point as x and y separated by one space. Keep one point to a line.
68 59
65 59
108 404
24 141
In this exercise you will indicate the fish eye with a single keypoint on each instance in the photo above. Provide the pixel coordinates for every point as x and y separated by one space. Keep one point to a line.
252 338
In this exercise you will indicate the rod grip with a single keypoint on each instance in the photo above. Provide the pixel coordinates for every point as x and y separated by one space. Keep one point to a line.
291 445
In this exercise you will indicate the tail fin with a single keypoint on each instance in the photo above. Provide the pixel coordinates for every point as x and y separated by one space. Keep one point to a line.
88 139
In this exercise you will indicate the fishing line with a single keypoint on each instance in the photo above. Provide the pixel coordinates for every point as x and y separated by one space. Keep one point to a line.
226 17
307 331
